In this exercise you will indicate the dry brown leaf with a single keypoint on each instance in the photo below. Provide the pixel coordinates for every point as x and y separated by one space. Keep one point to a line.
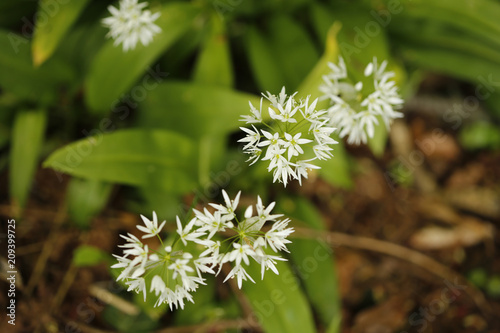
469 232
483 201
385 317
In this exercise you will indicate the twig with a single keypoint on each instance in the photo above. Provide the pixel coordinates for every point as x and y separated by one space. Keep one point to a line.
47 249
109 298
67 281
398 251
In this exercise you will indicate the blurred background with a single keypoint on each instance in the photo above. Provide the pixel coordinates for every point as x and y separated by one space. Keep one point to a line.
398 235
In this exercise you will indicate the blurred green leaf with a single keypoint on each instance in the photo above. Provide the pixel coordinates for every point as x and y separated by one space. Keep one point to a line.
86 255
114 72
493 286
479 17
265 68
12 14
146 158
214 61
449 61
27 138
480 135
336 169
206 110
86 198
314 261
48 34
478 277
17 74
278 303
293 47
127 323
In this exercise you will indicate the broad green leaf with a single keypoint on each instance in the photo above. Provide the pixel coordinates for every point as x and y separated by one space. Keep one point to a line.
336 169
27 138
267 73
86 198
461 65
314 260
145 158
277 301
195 110
86 255
17 74
479 17
114 71
293 47
59 17
214 64
433 34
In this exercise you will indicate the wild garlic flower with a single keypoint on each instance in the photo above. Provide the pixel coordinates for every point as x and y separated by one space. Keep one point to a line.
296 135
174 271
356 109
130 24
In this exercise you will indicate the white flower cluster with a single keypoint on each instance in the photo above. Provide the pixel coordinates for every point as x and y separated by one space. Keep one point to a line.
177 272
295 127
129 24
353 113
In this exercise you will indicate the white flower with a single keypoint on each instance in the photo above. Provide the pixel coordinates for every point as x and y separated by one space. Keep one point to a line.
302 168
177 270
264 213
252 137
151 229
296 127
276 236
130 24
186 234
212 223
157 285
356 108
231 205
240 252
181 268
256 116
240 273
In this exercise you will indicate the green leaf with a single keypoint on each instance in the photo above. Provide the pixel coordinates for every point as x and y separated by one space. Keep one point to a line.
146 158
460 65
86 255
17 74
86 198
278 303
314 261
293 47
48 34
479 17
336 169
265 68
114 71
126 323
27 138
214 61
195 110
480 135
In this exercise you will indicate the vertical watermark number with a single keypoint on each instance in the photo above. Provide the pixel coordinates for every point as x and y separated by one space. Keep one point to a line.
11 273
